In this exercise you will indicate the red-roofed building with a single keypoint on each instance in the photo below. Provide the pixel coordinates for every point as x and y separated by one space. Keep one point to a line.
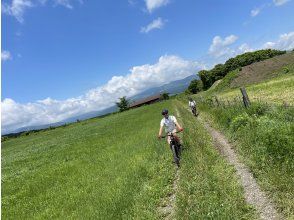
146 101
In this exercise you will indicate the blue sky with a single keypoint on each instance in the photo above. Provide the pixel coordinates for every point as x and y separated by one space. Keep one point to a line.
61 58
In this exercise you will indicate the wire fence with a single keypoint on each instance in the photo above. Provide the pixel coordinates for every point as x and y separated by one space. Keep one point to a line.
240 101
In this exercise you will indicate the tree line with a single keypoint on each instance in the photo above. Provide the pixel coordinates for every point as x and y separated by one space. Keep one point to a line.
208 77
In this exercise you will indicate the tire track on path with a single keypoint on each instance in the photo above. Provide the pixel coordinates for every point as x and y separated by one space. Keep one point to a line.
167 207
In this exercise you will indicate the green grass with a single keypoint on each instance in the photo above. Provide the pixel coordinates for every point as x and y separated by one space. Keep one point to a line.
276 91
208 186
263 134
109 168
264 137
115 168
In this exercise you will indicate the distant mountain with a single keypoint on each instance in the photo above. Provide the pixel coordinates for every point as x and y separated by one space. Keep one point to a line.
174 87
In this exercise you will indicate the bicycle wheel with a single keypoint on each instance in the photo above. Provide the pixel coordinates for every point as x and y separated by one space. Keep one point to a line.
175 154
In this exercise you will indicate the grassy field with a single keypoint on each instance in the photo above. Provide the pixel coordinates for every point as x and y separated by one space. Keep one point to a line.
110 168
275 91
115 168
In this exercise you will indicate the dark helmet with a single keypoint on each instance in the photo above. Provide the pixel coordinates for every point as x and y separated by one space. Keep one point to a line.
190 98
164 112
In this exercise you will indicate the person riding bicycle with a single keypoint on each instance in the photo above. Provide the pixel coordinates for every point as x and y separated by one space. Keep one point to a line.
192 105
170 124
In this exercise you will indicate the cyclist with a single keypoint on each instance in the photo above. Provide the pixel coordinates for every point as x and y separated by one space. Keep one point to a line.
192 105
169 122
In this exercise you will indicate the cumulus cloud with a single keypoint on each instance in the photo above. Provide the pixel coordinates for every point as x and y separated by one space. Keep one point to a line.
17 8
285 42
243 48
280 2
140 78
151 5
155 24
5 55
220 47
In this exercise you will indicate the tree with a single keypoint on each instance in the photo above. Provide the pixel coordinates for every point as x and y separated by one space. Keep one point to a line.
165 96
123 104
195 86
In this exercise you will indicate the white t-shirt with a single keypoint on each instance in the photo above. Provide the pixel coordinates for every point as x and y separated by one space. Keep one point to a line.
169 123
192 104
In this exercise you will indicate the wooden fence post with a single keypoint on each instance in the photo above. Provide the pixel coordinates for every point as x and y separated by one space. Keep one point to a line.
245 97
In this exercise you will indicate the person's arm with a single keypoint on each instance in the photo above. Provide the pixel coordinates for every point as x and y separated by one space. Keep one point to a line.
160 132
179 127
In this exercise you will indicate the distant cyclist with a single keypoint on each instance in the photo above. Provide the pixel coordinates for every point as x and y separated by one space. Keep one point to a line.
169 122
192 105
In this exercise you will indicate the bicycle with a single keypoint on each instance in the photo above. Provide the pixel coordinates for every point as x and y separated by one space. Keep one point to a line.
194 111
175 147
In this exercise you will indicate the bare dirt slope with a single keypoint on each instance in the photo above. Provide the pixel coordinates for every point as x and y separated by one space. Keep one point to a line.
260 71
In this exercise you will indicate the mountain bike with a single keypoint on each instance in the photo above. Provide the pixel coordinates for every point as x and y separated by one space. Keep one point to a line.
175 147
194 111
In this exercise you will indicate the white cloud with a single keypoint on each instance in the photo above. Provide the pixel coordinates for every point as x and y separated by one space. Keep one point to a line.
285 42
155 24
220 47
17 8
244 48
280 2
154 4
65 3
140 78
255 12
5 55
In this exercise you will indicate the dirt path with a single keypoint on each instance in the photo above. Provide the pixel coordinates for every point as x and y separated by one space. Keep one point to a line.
253 194
167 207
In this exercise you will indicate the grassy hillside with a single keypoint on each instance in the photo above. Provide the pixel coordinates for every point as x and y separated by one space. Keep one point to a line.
264 70
275 88
263 134
115 168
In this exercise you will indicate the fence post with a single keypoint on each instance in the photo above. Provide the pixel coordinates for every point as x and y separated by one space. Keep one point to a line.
245 97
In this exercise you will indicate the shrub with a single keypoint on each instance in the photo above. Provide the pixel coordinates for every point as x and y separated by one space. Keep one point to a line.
165 96
286 70
240 121
258 109
195 86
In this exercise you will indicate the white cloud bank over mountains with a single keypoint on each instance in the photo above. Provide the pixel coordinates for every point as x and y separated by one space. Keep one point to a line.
167 69
140 78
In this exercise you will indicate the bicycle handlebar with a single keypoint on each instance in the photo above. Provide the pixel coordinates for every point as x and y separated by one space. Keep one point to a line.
170 134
